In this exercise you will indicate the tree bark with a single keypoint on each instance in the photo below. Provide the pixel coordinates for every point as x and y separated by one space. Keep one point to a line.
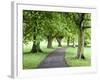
59 39
68 40
36 48
73 43
80 54
50 39
36 45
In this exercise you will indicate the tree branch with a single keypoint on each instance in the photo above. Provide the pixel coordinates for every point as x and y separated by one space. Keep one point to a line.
86 27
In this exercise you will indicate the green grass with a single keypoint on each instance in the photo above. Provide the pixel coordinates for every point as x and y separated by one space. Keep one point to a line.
32 60
74 62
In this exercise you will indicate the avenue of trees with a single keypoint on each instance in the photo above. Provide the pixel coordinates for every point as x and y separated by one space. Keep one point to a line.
44 25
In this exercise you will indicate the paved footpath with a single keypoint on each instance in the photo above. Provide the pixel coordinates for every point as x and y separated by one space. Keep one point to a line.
55 59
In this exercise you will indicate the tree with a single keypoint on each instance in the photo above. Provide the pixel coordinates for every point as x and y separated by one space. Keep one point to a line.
80 53
49 28
40 25
80 18
32 21
54 26
59 38
71 29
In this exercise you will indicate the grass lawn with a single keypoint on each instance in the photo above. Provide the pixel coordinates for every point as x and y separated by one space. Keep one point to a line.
32 60
73 62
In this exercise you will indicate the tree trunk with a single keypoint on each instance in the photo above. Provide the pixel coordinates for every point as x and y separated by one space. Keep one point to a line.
50 39
36 45
59 41
80 54
36 48
68 39
85 44
73 43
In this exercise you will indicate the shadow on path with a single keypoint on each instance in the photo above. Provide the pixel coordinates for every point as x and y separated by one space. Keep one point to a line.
55 59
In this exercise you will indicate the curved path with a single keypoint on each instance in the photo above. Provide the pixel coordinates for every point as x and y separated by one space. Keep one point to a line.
55 59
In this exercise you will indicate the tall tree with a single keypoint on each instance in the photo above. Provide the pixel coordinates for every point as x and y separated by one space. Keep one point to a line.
80 53
32 22
80 18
